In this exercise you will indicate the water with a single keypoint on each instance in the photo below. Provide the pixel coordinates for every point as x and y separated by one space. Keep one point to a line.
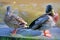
25 32
2 25
5 31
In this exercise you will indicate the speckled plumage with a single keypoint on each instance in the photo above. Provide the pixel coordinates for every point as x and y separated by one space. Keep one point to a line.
12 20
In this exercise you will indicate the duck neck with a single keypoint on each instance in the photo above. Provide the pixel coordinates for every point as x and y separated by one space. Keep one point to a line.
7 13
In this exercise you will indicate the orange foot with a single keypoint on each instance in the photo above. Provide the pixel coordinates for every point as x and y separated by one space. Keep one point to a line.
47 33
14 31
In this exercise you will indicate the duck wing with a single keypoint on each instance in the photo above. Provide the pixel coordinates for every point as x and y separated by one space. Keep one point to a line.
38 22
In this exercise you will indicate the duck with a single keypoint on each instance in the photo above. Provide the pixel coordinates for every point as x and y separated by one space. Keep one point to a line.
45 22
13 21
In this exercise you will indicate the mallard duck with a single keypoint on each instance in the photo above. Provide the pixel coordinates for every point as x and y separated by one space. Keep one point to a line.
45 21
13 20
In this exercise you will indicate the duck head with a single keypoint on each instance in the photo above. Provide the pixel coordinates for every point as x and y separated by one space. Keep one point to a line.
50 11
8 10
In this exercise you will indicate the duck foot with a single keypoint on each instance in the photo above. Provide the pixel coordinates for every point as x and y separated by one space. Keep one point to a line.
47 33
14 32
